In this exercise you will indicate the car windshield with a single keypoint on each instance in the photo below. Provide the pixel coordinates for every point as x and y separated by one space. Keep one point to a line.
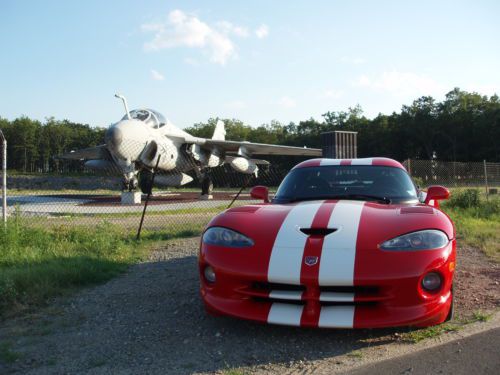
364 182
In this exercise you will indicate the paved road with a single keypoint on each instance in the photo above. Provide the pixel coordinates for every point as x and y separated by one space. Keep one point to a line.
52 205
476 354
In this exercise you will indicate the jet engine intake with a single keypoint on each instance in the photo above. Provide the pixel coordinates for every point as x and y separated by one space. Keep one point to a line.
168 151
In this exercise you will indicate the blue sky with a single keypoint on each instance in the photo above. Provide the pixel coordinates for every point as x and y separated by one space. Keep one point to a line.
255 61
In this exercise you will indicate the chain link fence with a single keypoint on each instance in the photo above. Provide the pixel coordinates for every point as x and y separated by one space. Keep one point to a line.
482 175
90 194
90 191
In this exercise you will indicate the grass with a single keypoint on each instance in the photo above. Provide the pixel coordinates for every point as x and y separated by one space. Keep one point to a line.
37 263
7 355
69 190
183 211
477 221
430 332
355 354
452 326
480 316
233 371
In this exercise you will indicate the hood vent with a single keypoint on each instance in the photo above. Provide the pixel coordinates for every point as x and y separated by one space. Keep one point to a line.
318 231
417 210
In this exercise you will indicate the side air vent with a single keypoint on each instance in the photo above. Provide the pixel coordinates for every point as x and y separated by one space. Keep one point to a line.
317 231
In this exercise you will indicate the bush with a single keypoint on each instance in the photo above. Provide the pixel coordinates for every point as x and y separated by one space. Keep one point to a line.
465 199
419 182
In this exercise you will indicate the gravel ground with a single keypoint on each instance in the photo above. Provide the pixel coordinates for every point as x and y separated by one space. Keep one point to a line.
151 321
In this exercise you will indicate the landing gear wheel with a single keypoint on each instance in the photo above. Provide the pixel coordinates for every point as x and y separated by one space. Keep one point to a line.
146 181
451 312
124 185
207 185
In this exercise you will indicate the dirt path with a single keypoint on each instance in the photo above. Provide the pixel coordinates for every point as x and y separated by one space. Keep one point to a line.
151 320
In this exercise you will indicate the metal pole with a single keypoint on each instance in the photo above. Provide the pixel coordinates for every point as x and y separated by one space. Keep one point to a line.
239 192
485 178
147 199
4 179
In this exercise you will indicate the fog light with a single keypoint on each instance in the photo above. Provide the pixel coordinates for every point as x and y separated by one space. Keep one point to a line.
209 274
431 282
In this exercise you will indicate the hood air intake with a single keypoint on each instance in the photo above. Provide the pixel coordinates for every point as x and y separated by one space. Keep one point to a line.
317 231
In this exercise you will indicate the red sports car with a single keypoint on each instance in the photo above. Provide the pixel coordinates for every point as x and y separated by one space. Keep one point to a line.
343 244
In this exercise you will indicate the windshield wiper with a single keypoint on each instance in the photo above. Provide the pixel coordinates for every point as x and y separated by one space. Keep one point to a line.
343 196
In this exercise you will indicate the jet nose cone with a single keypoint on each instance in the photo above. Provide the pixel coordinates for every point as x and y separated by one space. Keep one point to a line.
113 137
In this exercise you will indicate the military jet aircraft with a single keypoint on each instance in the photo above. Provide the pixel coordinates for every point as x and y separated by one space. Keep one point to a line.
144 139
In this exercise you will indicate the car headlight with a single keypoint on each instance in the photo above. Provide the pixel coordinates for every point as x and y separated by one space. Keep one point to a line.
225 237
421 240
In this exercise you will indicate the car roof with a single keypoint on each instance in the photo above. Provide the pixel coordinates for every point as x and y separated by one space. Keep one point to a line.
379 162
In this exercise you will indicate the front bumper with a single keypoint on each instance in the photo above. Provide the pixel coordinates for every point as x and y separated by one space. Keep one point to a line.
386 297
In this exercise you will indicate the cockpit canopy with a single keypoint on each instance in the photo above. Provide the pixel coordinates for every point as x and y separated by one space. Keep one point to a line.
150 117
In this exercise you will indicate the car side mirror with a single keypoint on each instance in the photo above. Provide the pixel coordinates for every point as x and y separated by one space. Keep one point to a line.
260 192
436 193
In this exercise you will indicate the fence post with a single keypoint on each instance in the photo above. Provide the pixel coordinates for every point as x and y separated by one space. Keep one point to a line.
455 173
485 178
3 141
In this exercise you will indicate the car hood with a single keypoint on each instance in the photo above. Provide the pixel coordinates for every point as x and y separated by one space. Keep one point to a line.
369 223
350 252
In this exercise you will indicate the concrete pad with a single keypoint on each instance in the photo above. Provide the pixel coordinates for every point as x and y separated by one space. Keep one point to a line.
131 197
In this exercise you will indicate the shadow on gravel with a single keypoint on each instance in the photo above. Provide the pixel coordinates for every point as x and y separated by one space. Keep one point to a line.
151 320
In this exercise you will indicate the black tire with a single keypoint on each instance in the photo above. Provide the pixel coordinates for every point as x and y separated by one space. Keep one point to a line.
146 181
451 312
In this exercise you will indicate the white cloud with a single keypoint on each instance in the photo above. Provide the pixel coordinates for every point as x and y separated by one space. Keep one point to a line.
287 102
185 30
353 60
157 76
362 80
402 83
262 31
228 28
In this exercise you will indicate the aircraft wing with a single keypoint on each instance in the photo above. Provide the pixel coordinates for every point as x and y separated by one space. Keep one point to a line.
250 149
91 153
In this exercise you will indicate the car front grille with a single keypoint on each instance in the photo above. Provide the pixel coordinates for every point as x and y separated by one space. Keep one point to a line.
301 294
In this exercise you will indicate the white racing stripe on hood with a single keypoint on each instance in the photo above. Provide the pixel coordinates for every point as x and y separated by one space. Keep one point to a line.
336 266
286 256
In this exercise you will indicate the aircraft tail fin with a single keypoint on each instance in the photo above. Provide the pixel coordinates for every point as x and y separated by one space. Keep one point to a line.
220 131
